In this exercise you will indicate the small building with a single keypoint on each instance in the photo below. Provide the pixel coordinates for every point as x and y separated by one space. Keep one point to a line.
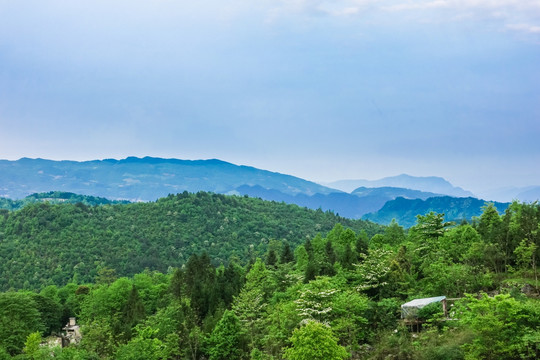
410 310
72 333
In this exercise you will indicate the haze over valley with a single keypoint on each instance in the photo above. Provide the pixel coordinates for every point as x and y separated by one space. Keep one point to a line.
147 179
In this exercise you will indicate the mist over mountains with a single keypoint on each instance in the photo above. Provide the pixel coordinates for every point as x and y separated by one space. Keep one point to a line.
141 179
456 209
149 178
432 184
528 193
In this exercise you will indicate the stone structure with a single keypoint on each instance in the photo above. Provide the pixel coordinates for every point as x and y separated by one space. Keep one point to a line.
72 333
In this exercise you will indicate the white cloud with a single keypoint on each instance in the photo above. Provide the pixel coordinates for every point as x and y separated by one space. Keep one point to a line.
481 8
497 15
416 5
322 7
534 29
349 11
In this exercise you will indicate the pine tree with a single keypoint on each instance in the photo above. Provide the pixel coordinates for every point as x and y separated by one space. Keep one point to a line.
312 270
177 284
132 313
348 258
361 244
309 248
271 258
287 255
330 253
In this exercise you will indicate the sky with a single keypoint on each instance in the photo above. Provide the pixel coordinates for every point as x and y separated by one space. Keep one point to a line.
323 90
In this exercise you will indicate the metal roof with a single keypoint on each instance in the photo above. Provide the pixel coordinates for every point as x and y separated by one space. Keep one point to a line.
410 309
420 303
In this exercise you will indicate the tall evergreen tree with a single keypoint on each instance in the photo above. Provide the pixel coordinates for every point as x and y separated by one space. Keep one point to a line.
230 281
312 270
309 248
132 312
330 253
177 283
327 266
271 258
200 279
348 258
287 255
361 245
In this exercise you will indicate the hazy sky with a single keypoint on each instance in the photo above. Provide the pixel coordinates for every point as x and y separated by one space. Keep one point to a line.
324 90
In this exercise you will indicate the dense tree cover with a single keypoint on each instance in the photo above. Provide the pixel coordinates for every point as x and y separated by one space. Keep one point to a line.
338 297
44 244
57 197
405 209
314 341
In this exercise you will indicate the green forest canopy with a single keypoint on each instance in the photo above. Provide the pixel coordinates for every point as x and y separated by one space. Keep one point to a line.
43 244
57 197
341 292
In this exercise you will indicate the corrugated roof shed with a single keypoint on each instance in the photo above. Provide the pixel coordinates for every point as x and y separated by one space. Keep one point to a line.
410 309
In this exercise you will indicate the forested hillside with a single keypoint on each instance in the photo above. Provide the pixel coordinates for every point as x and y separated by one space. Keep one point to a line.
336 296
57 197
147 179
354 205
44 244
404 211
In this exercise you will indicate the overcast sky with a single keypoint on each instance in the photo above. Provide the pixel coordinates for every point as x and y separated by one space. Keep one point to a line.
323 90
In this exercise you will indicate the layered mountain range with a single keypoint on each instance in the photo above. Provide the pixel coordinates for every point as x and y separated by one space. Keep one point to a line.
431 184
149 178
141 179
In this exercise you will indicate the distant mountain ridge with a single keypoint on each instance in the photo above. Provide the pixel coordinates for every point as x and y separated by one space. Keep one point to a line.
528 193
455 209
432 184
344 204
354 205
141 179
391 193
150 178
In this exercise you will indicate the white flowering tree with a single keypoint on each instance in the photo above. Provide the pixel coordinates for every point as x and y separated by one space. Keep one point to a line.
315 300
250 305
372 273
